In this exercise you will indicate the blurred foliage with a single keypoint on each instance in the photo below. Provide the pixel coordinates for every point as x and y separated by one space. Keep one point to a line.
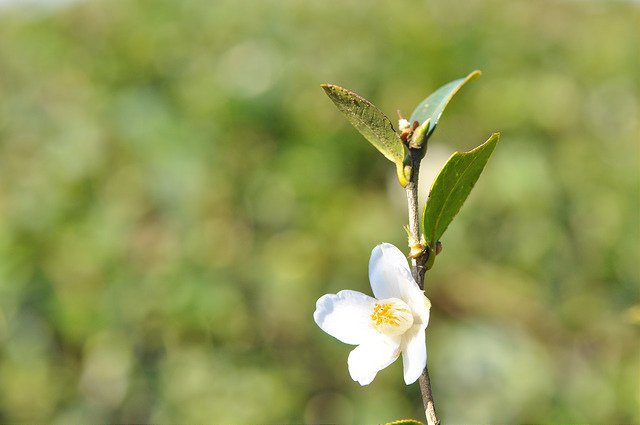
176 191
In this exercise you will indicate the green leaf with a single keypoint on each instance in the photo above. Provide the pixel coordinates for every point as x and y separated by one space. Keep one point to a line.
369 120
433 106
452 186
405 422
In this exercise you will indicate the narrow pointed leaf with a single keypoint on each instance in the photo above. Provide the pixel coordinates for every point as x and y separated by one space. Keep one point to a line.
452 186
369 120
433 105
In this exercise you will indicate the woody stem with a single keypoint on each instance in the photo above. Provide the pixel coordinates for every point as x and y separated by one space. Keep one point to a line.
418 270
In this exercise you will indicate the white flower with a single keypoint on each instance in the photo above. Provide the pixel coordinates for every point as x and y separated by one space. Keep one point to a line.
403 124
383 327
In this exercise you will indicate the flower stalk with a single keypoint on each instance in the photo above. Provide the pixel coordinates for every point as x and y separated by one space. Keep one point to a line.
418 269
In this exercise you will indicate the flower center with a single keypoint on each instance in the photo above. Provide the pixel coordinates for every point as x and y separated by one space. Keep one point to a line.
392 316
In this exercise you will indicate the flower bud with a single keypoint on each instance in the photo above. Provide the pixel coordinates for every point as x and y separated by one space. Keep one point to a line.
419 137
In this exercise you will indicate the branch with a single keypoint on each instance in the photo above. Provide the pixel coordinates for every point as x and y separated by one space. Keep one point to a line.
418 270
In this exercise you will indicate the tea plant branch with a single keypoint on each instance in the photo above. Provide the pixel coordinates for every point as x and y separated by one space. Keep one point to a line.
447 195
418 270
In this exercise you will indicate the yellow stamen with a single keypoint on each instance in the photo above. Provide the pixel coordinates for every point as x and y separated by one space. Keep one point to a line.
392 316
383 313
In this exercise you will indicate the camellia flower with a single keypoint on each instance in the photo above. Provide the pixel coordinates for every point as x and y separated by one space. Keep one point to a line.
393 322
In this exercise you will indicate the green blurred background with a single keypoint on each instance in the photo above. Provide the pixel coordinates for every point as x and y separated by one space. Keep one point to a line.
176 191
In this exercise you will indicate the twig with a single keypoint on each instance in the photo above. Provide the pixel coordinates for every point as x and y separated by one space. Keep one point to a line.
418 270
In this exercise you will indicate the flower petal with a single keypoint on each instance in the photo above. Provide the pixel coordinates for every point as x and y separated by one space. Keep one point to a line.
370 357
346 316
389 273
419 304
414 353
